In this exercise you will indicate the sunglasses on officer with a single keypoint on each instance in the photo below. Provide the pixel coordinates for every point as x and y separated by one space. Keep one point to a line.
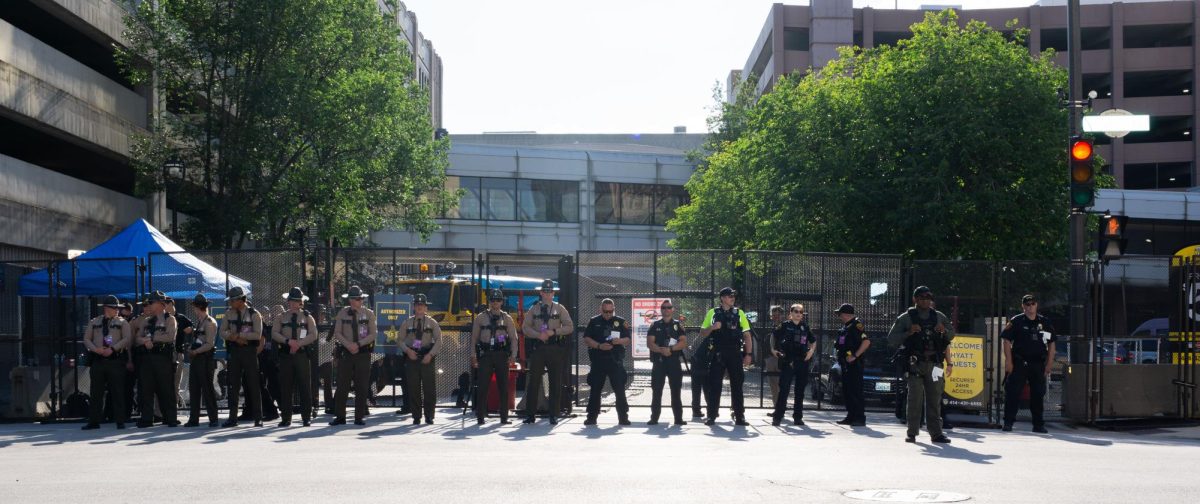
667 307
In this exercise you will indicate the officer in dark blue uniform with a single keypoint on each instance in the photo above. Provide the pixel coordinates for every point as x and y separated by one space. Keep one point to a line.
666 341
1028 357
791 343
851 344
606 337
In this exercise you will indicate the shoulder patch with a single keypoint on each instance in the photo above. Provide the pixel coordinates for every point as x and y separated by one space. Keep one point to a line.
859 326
1008 326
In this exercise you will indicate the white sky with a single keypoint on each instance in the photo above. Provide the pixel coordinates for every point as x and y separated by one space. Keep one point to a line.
617 66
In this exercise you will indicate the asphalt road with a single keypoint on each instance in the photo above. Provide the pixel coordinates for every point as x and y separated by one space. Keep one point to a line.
390 460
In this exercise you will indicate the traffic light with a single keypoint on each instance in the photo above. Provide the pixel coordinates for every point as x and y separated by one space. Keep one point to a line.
1112 236
1083 174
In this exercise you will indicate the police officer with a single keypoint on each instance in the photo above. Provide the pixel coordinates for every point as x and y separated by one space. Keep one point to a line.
420 341
107 338
548 329
1028 357
354 329
130 373
700 358
268 366
295 334
606 337
666 340
157 372
923 334
183 331
851 344
242 330
771 362
200 373
792 345
492 334
733 347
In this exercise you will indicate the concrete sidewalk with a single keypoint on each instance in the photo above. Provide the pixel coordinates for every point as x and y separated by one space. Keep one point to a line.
392 460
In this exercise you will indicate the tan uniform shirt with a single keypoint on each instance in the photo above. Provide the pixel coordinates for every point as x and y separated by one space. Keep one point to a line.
305 329
119 334
164 329
559 322
481 330
250 329
205 333
430 335
343 327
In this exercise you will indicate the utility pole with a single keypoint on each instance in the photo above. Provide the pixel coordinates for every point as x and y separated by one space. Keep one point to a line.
1077 300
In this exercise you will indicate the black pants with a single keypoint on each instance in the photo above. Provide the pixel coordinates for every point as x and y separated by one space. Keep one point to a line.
268 369
243 368
699 383
314 377
492 361
356 367
108 375
727 361
613 371
1033 373
325 375
131 379
791 371
200 387
294 377
852 391
156 375
420 388
547 359
666 370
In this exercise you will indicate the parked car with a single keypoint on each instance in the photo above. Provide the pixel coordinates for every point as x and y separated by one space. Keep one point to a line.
881 382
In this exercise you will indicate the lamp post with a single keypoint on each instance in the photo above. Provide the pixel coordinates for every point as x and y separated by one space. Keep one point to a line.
174 168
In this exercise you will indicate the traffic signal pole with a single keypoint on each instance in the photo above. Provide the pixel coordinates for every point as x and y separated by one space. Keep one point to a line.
1078 220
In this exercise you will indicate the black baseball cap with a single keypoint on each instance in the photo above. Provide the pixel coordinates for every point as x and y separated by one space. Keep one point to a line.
727 291
845 308
922 290
1028 298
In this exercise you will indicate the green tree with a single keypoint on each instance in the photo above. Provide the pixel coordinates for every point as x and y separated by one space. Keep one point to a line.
950 144
287 116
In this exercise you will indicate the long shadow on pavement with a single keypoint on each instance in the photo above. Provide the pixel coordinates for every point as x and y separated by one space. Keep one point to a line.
954 452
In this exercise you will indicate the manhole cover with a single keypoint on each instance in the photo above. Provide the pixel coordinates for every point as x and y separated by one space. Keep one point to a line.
893 495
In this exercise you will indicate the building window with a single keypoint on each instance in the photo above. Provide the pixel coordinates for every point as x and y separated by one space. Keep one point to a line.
1158 83
666 200
1164 129
1094 38
499 198
795 39
637 204
515 199
547 200
468 204
642 204
1149 36
1158 176
890 38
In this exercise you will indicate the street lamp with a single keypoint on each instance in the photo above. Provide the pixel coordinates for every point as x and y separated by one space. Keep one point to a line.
174 168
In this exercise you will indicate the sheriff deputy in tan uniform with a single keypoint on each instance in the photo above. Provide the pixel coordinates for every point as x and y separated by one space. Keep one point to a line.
242 330
421 338
203 366
548 328
295 332
107 338
157 372
354 330
493 335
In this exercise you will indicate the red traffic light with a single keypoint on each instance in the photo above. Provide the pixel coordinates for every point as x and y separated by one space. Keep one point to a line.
1081 150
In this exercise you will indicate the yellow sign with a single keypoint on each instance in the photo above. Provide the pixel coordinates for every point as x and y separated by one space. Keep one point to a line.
964 387
1185 348
1189 251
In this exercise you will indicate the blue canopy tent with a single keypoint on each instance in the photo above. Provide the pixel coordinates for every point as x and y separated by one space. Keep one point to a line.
110 268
